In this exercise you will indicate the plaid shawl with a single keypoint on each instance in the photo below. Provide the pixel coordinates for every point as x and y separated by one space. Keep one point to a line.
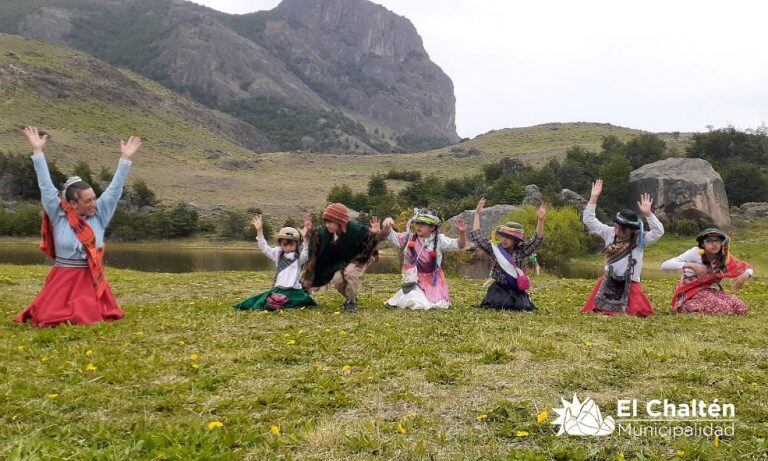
85 235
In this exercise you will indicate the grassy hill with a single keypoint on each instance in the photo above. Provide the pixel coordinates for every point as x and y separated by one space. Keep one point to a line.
199 155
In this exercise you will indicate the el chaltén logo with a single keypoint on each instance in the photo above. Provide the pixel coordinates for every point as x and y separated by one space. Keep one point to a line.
582 418
655 418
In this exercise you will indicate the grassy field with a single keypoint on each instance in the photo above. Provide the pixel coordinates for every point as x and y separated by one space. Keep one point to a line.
185 376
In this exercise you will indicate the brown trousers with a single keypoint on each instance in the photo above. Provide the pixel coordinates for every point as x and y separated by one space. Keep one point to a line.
347 281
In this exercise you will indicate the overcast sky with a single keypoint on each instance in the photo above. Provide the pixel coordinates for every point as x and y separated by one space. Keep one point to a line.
653 65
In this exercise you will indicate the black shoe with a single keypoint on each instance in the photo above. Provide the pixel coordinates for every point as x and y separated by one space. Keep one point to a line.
350 306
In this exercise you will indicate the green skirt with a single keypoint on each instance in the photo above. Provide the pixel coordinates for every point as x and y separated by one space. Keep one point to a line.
276 299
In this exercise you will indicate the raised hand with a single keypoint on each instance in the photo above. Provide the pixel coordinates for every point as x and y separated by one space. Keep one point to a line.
541 212
480 206
257 223
461 225
645 204
597 188
35 140
375 225
304 230
128 148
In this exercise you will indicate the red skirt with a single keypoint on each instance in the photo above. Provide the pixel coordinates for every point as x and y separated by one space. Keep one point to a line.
70 297
637 304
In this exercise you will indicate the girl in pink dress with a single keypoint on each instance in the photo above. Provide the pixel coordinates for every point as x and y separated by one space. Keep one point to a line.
424 285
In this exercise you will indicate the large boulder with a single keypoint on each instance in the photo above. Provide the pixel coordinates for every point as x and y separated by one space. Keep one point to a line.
683 188
572 198
750 210
489 218
532 195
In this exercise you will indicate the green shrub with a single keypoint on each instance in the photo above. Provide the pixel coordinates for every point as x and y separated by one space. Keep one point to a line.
564 235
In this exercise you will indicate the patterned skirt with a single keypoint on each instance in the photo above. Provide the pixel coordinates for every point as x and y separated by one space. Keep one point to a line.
637 303
277 298
713 301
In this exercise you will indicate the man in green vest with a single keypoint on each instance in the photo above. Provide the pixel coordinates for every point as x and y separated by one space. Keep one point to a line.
340 252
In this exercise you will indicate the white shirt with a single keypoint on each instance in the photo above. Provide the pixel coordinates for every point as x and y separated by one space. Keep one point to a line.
690 256
608 233
288 277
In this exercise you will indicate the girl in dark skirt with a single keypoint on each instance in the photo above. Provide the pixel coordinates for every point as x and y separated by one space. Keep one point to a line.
289 258
510 282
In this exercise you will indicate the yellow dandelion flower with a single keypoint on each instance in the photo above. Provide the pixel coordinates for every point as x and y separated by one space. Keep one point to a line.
139 333
52 396
194 357
215 425
717 441
274 430
521 433
195 366
20 348
542 416
89 352
481 417
337 313
346 369
739 379
91 367
290 342
301 331
400 428
588 343
342 333
182 343
327 330
679 453
44 359
318 367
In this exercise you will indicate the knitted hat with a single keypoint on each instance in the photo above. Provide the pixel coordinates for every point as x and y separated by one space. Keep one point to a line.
338 213
511 229
289 233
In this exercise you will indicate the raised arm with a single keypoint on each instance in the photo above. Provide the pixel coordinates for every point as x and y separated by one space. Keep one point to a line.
657 228
49 194
590 219
269 252
107 203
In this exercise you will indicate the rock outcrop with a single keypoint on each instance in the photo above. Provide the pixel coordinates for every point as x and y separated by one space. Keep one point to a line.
490 218
352 59
683 188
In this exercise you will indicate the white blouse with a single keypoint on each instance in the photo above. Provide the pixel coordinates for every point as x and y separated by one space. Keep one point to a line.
608 233
690 256
288 277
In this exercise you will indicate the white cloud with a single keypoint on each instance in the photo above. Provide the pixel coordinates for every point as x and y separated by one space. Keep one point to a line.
654 65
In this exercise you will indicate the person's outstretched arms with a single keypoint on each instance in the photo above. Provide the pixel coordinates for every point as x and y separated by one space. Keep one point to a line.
107 203
49 194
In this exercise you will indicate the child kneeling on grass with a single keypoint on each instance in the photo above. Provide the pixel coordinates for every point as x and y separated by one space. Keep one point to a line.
509 290
289 257
424 285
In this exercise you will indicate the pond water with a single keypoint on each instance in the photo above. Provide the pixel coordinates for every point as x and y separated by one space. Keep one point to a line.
150 258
